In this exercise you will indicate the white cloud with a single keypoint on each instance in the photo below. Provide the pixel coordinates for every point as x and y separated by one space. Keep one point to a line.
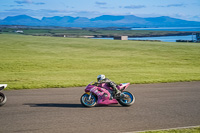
21 2
135 6
101 3
173 5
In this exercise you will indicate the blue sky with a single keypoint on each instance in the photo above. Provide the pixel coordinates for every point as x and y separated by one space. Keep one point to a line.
182 9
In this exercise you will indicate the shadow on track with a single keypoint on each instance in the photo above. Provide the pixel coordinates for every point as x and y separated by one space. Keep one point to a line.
66 105
58 105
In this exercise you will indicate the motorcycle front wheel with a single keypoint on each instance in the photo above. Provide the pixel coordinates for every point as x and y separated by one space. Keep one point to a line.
3 99
126 98
88 101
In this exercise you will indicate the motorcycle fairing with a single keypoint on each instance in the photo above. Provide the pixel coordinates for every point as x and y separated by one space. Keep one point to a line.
103 95
2 86
123 86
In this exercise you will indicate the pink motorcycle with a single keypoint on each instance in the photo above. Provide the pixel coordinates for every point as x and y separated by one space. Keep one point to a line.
103 95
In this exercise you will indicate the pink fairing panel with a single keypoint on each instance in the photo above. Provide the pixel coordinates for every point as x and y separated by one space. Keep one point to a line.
123 85
107 102
89 87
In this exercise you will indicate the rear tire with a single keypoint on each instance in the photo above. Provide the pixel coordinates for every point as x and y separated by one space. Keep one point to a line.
128 100
86 102
3 99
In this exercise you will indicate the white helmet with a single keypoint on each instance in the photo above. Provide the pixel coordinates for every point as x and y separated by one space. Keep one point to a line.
100 77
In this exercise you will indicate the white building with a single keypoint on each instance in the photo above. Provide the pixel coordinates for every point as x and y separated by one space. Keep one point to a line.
121 38
19 31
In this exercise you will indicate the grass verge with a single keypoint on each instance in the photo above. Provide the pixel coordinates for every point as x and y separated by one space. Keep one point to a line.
187 130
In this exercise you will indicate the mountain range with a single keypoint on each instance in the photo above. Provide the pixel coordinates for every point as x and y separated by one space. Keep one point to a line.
101 21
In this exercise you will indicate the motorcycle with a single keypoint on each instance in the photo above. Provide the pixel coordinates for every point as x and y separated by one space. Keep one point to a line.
102 94
3 98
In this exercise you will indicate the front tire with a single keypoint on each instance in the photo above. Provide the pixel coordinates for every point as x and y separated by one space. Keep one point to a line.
85 101
3 99
126 99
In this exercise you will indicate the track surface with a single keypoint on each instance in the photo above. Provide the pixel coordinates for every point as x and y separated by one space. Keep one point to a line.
157 106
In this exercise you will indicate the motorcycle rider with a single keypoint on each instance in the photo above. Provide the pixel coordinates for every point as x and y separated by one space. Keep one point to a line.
102 79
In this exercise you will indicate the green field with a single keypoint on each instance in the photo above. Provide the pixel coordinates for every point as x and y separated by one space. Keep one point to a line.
42 62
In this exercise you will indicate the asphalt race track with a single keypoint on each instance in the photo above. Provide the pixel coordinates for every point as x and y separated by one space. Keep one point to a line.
58 110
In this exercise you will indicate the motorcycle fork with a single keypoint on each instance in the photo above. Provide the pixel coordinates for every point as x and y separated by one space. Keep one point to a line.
90 95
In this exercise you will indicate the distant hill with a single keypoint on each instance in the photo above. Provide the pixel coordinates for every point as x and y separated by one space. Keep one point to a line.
101 21
20 20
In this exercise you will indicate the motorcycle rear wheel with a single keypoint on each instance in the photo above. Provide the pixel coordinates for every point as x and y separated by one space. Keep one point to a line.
3 99
85 101
128 100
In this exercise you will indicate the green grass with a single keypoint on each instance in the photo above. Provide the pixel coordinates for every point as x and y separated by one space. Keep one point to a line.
189 130
41 62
